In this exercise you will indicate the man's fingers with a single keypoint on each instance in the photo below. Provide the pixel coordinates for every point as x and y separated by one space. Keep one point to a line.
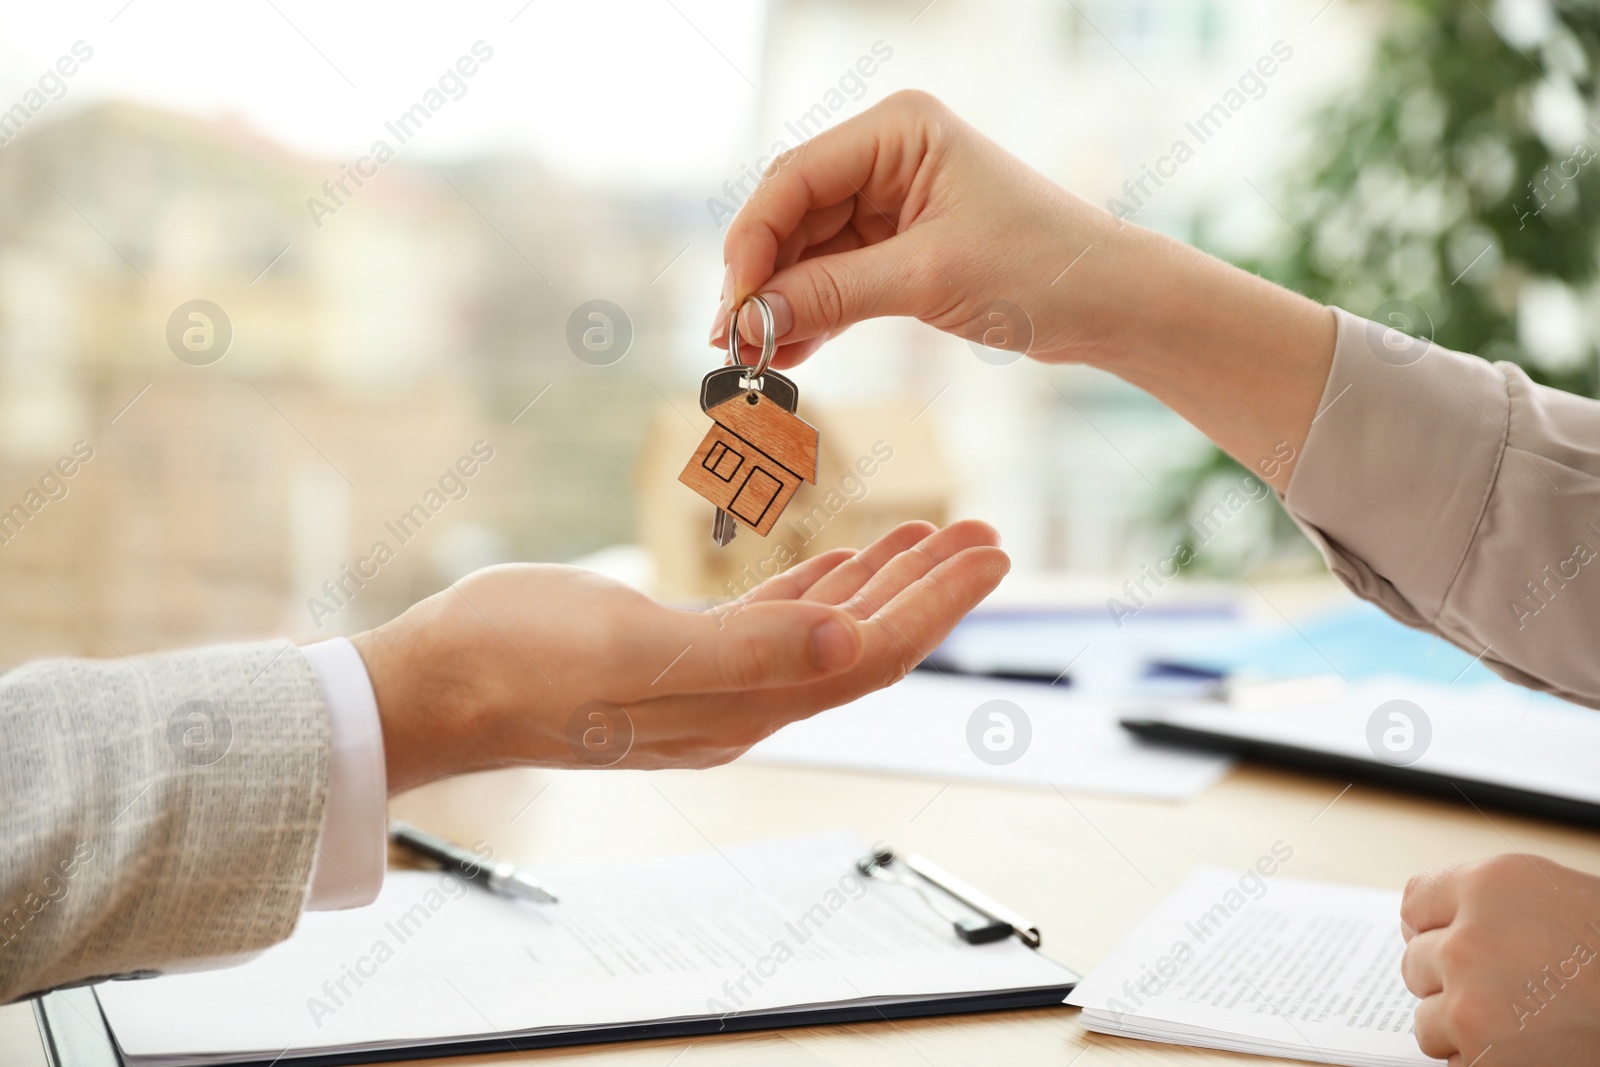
922 615
903 633
793 583
1433 1034
1430 900
896 639
924 556
875 574
1421 966
845 580
751 647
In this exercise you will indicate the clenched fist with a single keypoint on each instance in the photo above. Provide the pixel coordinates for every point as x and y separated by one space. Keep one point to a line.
1505 954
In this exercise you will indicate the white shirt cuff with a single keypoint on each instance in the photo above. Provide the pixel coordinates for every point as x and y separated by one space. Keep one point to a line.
352 850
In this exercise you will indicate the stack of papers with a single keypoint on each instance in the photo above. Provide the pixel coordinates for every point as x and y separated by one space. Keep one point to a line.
780 930
1257 963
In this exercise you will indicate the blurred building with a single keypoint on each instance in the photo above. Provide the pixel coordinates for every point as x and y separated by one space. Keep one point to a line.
240 497
374 344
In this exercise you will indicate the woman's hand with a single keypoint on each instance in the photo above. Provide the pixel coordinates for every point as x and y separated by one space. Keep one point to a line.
907 210
512 664
1506 956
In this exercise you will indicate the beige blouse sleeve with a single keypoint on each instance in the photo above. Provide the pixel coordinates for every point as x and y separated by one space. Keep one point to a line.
1464 500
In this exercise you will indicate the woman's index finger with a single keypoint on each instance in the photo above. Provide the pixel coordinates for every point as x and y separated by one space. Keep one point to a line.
863 156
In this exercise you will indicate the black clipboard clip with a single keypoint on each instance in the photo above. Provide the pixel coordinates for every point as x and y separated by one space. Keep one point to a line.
987 919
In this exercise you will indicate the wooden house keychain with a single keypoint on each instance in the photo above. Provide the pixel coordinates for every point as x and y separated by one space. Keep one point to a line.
758 450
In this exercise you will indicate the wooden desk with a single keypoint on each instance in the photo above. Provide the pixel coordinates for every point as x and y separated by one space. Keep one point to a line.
1087 869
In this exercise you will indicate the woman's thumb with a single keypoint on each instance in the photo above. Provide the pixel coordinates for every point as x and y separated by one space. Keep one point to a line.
821 296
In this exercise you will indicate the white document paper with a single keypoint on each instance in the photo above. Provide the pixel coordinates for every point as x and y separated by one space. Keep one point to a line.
1493 733
1266 965
921 725
776 926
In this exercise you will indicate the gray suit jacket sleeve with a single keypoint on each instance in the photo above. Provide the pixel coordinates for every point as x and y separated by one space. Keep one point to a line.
1462 499
160 813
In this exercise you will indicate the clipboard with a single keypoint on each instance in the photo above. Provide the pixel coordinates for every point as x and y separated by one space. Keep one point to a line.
75 1032
72 1038
1478 792
1488 746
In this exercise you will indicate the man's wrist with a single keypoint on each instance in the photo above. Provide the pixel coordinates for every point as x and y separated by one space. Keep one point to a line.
425 713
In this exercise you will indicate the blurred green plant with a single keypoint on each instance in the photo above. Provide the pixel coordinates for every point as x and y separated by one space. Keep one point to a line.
1454 195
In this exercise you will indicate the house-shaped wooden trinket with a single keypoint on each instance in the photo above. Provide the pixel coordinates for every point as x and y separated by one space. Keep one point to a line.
753 459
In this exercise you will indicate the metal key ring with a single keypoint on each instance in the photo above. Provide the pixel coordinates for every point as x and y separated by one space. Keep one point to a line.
769 343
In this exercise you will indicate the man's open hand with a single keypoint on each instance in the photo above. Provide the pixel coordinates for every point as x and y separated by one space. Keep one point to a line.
510 665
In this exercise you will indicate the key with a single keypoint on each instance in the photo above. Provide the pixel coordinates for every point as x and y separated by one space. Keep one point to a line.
759 452
725 383
723 528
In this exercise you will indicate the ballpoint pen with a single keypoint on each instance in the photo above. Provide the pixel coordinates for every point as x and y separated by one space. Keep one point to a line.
503 878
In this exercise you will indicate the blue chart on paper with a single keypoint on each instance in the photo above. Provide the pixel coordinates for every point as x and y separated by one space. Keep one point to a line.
1199 642
1355 641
